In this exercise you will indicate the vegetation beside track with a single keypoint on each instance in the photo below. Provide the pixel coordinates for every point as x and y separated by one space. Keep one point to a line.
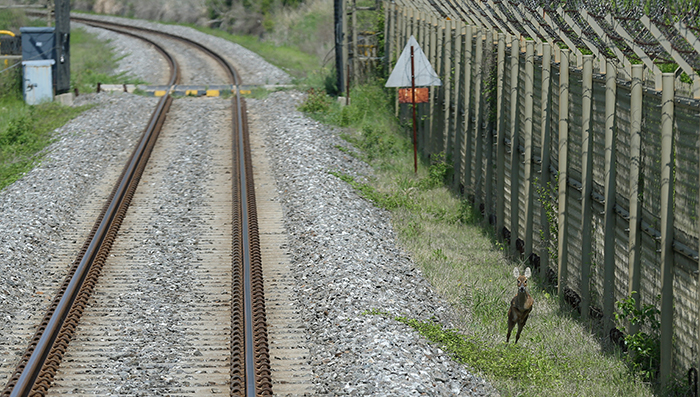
92 62
287 57
558 353
26 130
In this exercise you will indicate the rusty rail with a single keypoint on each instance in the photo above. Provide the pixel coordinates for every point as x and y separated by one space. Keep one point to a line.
250 364
38 366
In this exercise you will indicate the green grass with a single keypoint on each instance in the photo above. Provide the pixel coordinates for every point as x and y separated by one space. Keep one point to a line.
92 62
287 57
557 355
12 19
25 131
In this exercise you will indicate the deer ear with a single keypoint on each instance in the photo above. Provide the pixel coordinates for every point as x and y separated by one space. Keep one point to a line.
527 272
516 272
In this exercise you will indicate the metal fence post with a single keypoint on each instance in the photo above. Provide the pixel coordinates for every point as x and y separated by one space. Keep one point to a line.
635 236
514 140
563 238
609 207
529 99
340 49
388 36
425 112
401 33
667 166
437 130
400 43
587 183
355 64
433 29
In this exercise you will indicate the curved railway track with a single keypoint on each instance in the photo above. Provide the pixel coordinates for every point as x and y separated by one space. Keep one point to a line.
246 353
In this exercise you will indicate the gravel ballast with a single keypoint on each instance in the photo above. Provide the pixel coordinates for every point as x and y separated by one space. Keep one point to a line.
40 212
345 253
348 263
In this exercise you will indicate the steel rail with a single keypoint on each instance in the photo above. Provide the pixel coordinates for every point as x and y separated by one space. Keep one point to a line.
249 344
38 366
249 335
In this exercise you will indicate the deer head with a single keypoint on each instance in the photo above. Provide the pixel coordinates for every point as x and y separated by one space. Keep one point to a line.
522 279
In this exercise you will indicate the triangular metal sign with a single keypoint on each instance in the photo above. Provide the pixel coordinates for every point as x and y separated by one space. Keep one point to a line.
425 76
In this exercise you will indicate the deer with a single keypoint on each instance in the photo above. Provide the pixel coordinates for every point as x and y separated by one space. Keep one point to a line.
520 305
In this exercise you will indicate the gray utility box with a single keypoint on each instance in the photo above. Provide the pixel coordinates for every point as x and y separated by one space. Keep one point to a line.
39 44
38 81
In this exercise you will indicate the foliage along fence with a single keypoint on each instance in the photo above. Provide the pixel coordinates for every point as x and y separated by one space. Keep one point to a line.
584 159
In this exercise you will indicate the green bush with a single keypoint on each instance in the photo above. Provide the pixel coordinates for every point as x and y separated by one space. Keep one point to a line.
19 131
437 172
93 62
316 102
643 347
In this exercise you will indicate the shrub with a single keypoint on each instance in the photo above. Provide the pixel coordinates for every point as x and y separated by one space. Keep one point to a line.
437 172
19 131
643 348
316 102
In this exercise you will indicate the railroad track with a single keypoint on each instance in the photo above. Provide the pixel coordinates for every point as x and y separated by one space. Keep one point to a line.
108 277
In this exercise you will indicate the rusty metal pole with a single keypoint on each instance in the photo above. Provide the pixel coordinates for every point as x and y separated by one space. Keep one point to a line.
413 102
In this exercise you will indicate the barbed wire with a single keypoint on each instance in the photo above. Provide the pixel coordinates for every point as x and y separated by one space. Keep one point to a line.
630 29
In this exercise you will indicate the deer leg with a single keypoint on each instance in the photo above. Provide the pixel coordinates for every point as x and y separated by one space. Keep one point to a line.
511 324
520 328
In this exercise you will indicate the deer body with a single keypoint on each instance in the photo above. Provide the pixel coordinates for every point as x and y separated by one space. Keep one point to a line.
520 305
